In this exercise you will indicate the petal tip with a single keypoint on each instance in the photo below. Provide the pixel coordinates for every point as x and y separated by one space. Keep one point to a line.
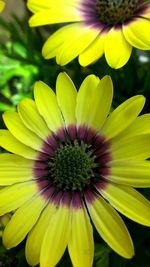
45 52
38 84
62 74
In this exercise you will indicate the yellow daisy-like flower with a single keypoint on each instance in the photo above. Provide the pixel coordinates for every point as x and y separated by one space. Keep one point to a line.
73 164
96 27
2 5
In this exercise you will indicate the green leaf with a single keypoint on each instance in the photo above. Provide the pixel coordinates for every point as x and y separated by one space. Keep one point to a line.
101 257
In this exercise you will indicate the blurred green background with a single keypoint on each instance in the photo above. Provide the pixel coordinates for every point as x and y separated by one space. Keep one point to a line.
21 64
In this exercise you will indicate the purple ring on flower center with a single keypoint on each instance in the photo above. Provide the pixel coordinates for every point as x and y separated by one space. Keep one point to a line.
108 13
78 161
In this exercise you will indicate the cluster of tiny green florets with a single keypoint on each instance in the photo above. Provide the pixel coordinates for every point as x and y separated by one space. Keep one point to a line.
112 12
72 167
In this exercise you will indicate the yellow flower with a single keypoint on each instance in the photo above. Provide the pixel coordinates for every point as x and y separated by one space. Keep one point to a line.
71 163
2 5
96 27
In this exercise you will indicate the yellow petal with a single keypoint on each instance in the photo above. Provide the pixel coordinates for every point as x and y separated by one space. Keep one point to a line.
36 6
53 43
2 6
66 96
137 33
21 132
81 244
56 237
47 105
31 118
141 125
3 222
93 52
132 173
100 103
57 14
85 92
14 169
5 219
117 49
10 143
135 148
123 116
36 235
129 202
111 227
14 161
10 175
73 46
22 221
15 195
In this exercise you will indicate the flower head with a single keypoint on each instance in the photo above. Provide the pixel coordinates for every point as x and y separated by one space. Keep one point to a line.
2 5
96 27
71 163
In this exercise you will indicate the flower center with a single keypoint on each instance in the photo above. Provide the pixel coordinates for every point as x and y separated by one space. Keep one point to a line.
73 160
113 12
72 166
